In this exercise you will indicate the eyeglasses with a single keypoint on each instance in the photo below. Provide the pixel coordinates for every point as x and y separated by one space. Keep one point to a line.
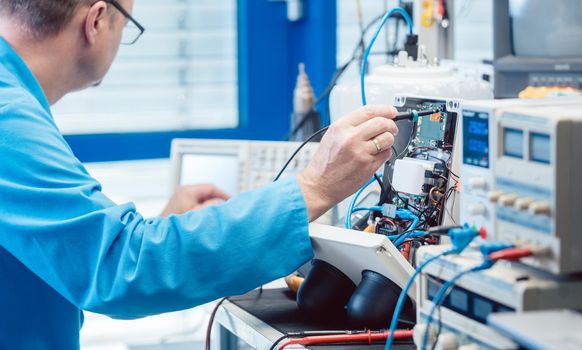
133 30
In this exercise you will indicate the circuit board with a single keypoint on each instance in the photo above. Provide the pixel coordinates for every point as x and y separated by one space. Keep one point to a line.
428 138
419 183
431 131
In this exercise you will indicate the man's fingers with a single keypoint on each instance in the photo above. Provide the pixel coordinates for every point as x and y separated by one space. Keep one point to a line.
377 126
206 192
210 202
217 193
380 143
368 112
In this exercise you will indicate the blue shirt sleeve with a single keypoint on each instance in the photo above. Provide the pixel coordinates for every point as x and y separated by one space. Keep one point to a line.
106 258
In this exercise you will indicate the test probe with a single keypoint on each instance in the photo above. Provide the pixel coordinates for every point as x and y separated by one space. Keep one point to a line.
413 115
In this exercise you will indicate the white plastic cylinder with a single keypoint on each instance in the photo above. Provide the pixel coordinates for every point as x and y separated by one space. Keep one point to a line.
412 79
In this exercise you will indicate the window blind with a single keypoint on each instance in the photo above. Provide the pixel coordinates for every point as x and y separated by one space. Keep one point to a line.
181 74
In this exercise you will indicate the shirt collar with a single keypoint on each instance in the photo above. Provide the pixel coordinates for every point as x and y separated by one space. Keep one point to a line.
15 66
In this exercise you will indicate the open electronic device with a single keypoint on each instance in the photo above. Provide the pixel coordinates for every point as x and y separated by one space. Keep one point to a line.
424 174
420 181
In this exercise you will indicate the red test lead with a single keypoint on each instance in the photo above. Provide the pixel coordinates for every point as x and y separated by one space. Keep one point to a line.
368 337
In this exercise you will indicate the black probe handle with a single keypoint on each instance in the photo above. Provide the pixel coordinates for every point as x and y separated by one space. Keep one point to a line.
410 115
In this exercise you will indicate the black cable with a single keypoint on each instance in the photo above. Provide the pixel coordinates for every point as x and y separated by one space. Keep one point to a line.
415 152
327 91
440 323
409 142
382 189
341 70
317 133
393 190
280 339
211 321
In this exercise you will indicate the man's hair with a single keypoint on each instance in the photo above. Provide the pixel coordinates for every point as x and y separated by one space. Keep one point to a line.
40 17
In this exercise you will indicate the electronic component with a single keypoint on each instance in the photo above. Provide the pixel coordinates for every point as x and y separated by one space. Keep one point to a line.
410 175
537 185
424 176
504 287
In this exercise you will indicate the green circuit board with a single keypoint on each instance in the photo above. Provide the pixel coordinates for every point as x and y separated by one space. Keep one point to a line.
430 130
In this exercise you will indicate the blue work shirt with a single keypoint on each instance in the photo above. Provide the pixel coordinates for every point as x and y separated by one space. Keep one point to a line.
66 247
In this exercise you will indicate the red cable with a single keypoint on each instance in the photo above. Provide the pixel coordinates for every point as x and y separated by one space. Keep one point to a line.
510 254
441 8
405 250
348 338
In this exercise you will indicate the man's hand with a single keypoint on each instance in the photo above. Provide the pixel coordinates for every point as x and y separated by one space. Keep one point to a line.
187 198
350 152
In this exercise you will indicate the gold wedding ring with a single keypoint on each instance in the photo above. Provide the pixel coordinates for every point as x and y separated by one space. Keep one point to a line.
378 146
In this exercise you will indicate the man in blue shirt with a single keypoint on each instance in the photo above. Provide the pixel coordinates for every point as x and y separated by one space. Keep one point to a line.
65 247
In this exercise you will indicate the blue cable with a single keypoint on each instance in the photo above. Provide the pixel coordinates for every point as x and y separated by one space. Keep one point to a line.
403 294
371 44
443 290
411 234
460 239
374 208
348 219
406 214
486 248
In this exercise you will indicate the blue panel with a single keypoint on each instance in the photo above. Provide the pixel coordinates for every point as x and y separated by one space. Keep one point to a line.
314 42
270 49
133 146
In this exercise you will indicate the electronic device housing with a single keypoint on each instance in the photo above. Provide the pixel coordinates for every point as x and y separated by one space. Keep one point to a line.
477 154
537 172
506 287
429 138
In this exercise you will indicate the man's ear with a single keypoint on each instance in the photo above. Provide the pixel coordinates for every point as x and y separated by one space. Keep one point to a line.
96 20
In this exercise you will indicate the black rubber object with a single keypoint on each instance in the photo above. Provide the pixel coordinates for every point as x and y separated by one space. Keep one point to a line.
325 291
372 304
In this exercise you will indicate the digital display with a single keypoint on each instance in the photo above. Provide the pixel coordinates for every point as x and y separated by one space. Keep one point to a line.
218 169
459 300
476 138
482 308
469 304
513 143
539 148
432 289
